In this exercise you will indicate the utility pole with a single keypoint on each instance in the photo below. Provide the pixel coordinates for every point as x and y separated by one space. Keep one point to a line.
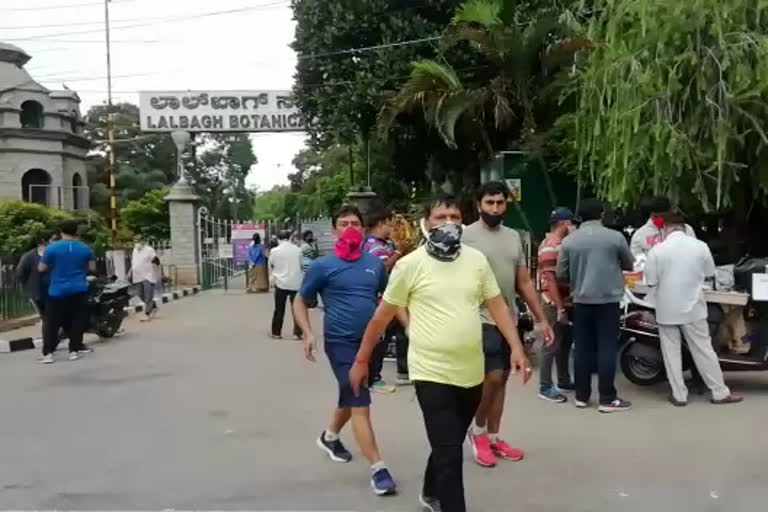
111 161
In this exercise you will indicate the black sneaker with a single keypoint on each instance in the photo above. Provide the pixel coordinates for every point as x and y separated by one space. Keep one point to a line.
617 405
429 504
335 450
567 387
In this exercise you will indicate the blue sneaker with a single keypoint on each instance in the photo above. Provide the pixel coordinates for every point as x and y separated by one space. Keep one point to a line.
382 483
552 395
335 450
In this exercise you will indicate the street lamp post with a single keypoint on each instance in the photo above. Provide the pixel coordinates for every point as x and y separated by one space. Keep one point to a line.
181 139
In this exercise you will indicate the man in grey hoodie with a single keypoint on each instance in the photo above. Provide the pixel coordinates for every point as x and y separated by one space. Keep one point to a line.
592 259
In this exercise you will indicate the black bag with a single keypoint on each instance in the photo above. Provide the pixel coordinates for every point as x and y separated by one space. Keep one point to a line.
743 270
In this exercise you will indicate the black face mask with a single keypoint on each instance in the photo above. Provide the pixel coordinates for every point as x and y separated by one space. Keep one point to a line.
491 220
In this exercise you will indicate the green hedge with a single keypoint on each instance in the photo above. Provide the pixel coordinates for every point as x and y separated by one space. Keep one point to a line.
21 222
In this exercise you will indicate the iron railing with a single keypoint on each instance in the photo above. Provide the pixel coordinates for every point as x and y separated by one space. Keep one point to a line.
13 303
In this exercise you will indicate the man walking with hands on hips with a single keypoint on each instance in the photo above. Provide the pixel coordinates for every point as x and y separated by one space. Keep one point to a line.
503 249
442 285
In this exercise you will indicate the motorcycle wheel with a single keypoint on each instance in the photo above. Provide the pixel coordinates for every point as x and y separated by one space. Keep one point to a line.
110 326
642 363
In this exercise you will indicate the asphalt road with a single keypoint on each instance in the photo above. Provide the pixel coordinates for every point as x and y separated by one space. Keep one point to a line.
200 410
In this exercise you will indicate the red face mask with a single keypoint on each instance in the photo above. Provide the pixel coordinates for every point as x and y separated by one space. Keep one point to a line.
658 221
349 247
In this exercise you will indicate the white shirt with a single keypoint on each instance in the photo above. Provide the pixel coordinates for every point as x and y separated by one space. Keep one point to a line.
141 264
648 236
285 266
677 268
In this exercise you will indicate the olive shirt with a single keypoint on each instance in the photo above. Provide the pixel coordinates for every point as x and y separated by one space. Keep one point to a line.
503 249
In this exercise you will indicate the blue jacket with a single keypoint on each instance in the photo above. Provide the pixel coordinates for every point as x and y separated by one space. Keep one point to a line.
256 255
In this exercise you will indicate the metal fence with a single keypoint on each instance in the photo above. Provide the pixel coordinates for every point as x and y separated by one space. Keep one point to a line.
13 303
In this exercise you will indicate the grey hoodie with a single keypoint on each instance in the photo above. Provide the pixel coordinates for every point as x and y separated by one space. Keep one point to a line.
591 259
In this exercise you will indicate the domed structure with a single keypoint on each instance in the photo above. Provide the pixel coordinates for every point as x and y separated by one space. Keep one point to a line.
42 147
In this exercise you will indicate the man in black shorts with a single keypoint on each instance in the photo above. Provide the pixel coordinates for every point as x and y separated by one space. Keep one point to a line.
504 250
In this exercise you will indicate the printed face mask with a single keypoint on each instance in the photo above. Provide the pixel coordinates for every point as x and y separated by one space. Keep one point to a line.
349 247
444 242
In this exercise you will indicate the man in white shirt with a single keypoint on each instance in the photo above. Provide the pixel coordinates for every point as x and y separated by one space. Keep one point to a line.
677 269
652 232
285 275
144 276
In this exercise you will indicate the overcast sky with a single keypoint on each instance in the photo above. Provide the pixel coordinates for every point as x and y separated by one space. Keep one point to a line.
163 45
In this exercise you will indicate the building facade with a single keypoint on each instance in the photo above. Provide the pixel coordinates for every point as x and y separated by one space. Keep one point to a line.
42 147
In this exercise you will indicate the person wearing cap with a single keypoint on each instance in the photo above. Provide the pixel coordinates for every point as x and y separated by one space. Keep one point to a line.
503 249
558 308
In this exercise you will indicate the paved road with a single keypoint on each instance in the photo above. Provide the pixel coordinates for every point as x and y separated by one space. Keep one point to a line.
200 410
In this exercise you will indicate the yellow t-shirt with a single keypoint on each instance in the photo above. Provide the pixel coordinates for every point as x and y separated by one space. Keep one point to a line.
443 301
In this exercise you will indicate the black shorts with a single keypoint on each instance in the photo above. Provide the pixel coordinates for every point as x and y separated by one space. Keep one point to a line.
496 349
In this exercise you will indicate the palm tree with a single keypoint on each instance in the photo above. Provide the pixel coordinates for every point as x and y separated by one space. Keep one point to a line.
509 100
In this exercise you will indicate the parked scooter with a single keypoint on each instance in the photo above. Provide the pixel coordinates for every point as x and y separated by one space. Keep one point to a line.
640 355
106 306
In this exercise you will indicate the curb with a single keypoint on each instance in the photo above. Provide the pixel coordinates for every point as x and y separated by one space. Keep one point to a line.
29 343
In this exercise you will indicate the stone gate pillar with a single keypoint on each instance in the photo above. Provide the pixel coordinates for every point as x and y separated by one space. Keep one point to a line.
362 197
185 233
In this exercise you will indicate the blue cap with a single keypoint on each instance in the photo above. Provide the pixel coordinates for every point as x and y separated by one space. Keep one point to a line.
561 213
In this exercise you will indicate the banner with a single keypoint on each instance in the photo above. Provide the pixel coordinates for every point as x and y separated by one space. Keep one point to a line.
219 111
242 235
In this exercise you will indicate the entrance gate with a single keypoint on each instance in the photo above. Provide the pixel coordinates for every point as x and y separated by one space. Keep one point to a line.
223 246
223 251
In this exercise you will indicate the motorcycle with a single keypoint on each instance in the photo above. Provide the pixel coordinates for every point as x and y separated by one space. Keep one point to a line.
107 302
640 356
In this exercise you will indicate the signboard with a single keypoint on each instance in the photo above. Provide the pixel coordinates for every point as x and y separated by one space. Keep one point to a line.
515 186
225 251
219 111
242 235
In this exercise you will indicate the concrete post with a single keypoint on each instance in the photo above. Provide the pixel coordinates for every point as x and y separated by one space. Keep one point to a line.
185 233
362 198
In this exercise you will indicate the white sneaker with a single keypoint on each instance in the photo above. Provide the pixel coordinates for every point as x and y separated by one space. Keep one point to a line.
74 356
47 359
580 404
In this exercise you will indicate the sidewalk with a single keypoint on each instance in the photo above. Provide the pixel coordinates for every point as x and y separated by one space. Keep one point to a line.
29 337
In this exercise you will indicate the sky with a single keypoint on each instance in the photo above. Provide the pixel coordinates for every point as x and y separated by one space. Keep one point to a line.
163 45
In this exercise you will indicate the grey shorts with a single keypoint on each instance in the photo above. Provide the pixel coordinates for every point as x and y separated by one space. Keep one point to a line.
496 349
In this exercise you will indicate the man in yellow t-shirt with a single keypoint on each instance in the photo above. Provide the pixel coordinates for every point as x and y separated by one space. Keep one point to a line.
443 284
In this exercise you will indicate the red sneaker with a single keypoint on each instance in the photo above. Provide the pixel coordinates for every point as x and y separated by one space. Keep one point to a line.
503 450
481 448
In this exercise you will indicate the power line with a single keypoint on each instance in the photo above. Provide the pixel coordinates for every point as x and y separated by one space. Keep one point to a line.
369 48
129 20
66 6
157 21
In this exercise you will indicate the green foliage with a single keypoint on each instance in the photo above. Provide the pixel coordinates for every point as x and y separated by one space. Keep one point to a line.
21 222
505 103
342 93
673 100
148 216
219 171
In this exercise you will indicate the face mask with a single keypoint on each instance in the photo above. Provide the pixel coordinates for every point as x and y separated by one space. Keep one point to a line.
658 221
491 220
444 242
349 246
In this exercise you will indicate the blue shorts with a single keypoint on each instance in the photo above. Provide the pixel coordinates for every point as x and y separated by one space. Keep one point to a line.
342 356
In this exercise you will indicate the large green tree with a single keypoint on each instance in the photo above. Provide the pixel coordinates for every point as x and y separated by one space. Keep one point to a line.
674 100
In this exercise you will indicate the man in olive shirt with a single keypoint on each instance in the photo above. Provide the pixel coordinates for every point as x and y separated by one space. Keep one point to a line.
504 250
